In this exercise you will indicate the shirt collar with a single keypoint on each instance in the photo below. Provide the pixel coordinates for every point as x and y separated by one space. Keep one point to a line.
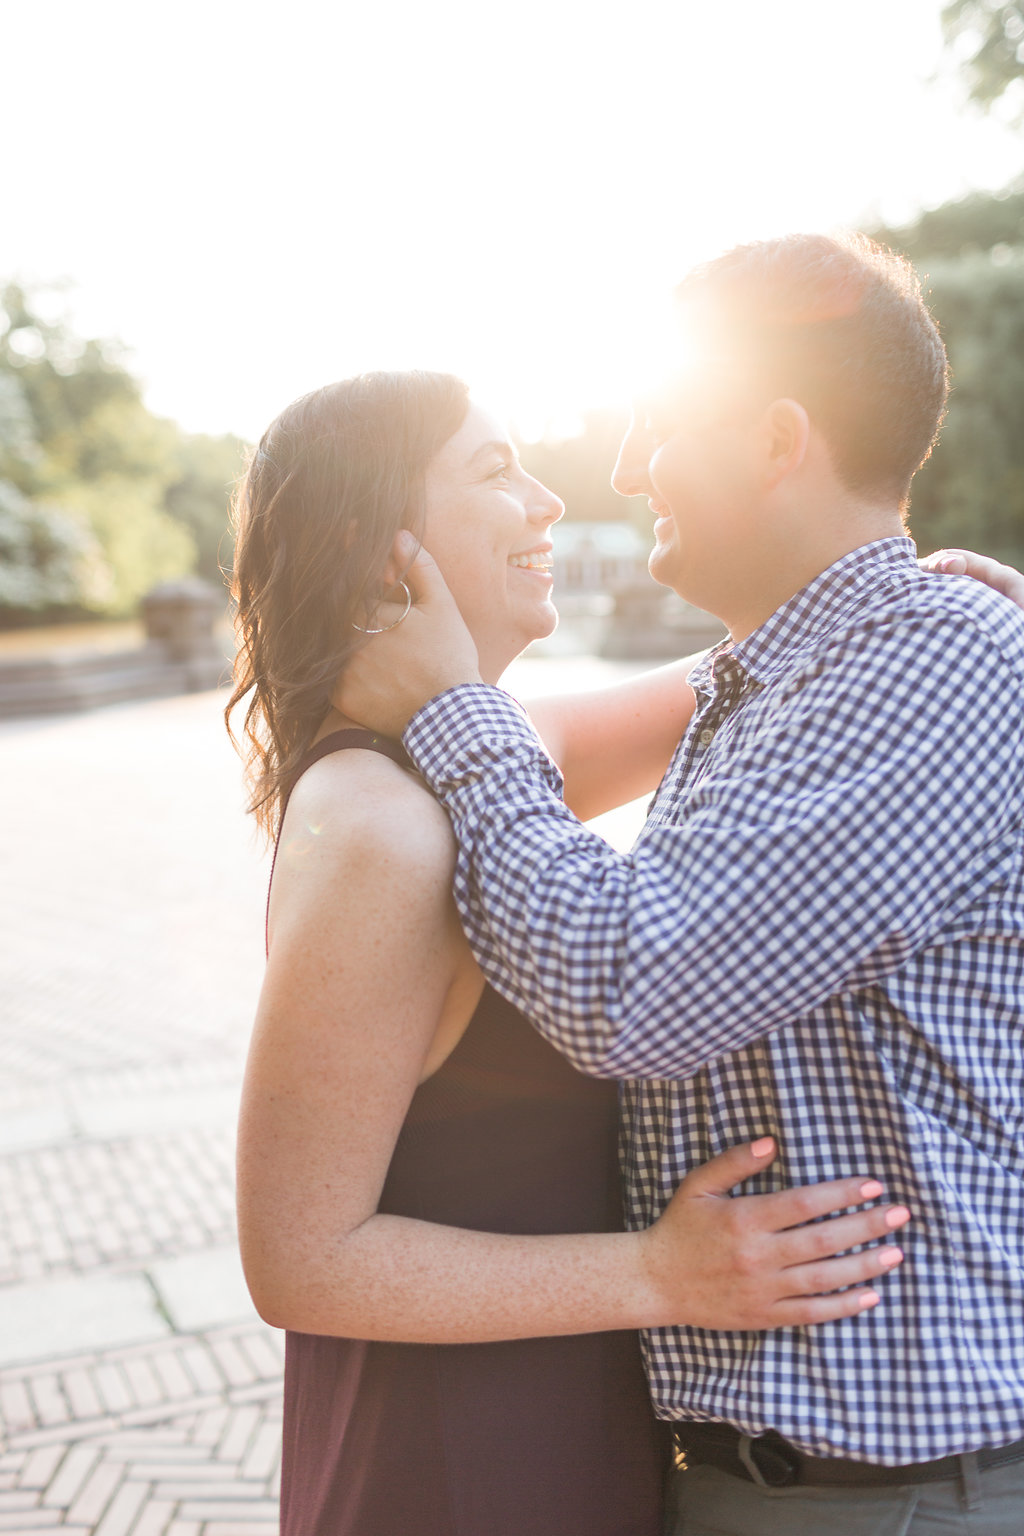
823 604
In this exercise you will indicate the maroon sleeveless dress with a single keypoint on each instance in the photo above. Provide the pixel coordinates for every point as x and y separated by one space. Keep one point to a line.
532 1437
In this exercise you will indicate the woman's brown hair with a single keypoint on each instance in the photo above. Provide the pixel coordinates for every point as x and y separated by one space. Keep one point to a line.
333 480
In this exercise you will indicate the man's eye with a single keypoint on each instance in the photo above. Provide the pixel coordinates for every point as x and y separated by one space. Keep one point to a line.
500 472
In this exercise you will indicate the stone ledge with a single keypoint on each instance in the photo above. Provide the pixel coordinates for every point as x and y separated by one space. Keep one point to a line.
71 681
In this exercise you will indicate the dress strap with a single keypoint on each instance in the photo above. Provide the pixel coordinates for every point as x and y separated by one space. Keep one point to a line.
369 741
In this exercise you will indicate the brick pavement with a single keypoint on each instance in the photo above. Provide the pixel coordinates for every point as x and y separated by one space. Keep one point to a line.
132 891
176 1439
139 1393
71 1208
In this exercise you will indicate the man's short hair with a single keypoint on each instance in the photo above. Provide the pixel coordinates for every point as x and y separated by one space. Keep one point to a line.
839 325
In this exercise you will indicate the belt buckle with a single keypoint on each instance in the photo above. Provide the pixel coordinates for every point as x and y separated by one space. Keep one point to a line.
769 1463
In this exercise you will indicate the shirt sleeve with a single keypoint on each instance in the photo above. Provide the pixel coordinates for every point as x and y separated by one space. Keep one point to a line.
870 798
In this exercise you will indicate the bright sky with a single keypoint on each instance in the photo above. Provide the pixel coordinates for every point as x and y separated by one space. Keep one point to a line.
258 198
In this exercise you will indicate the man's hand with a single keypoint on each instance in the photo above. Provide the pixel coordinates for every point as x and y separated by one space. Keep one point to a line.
394 674
964 562
768 1261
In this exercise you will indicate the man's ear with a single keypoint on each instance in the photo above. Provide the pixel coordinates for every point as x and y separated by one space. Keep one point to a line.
785 436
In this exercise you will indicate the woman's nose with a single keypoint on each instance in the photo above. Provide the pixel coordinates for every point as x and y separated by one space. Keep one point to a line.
547 508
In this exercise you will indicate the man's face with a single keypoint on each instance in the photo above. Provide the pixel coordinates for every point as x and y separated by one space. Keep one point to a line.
688 456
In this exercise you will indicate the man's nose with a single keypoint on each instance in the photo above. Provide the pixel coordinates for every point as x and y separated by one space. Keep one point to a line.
630 477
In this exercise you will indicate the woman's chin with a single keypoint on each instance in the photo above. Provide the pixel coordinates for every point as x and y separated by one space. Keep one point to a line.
498 650
545 622
548 621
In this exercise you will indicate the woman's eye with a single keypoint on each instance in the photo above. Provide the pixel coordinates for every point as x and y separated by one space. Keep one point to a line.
500 472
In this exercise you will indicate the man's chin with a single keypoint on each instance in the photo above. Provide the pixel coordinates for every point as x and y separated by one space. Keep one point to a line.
661 563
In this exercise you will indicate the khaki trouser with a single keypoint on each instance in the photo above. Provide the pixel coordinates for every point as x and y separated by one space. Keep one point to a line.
706 1502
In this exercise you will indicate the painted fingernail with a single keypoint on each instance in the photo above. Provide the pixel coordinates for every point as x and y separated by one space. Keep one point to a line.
869 1299
763 1147
870 1190
890 1256
897 1216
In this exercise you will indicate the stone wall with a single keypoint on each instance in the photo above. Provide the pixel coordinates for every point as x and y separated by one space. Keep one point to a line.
181 654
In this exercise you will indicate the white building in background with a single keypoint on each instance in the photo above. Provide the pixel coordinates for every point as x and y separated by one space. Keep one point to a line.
609 603
592 558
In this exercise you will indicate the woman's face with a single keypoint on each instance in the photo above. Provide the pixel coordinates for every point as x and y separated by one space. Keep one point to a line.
487 523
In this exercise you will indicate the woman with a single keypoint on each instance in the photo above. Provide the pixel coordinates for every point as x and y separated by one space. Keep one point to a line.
418 1169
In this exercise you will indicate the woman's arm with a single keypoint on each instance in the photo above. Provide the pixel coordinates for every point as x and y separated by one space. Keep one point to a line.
614 744
362 957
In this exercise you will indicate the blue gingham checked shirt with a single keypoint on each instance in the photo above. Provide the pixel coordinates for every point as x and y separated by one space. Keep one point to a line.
819 934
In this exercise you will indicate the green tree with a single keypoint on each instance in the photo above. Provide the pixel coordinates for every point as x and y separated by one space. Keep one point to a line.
78 443
48 560
971 491
970 254
205 472
981 221
994 35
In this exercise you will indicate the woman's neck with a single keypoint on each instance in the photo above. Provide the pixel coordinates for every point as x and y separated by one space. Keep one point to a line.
333 721
493 662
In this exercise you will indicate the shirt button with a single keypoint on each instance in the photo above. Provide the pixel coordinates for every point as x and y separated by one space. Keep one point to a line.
706 736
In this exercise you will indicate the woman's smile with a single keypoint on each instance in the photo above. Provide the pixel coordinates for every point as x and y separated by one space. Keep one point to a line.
480 506
538 561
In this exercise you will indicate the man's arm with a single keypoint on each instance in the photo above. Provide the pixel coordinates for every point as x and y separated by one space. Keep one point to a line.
817 858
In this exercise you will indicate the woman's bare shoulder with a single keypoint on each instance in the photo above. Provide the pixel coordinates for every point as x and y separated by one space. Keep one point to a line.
357 808
362 888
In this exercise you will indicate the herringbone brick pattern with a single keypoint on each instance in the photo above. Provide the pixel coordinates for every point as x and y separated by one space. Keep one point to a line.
176 1439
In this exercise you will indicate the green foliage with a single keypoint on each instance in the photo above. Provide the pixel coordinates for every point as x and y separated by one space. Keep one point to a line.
78 444
994 38
19 448
982 221
48 560
971 492
970 254
205 472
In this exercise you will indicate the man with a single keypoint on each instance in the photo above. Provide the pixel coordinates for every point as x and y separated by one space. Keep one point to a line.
820 932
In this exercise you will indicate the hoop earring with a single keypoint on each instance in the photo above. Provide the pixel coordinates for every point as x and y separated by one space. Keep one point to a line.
394 625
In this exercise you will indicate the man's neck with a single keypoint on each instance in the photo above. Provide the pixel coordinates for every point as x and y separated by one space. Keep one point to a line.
775 573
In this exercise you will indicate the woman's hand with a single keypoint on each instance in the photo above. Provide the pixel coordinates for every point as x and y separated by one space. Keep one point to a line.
753 1262
964 562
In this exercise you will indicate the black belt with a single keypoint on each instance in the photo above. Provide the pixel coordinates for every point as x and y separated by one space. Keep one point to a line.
770 1460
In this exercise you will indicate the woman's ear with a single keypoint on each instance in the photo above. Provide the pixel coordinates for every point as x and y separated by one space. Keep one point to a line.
395 568
785 435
